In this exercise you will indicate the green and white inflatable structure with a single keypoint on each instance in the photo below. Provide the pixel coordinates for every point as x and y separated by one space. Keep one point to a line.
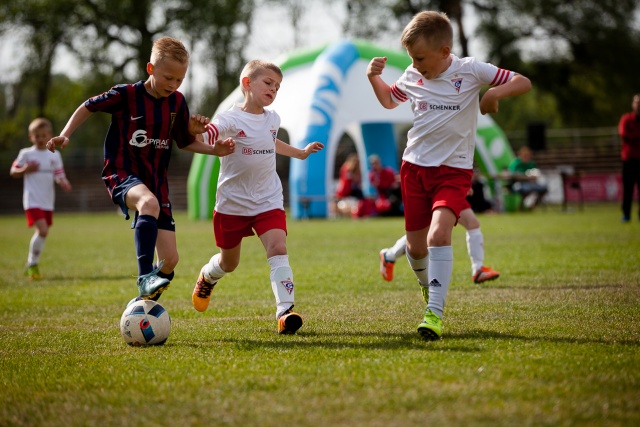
324 94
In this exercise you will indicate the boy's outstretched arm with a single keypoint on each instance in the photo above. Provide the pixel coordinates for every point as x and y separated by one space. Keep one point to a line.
222 147
81 114
518 85
287 150
380 88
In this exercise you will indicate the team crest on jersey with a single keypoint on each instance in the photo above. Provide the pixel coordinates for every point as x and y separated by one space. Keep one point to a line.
241 134
274 134
288 285
420 82
457 83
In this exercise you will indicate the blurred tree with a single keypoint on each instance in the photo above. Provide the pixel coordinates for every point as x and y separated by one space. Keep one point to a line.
369 20
405 9
117 35
585 53
222 29
40 22
111 41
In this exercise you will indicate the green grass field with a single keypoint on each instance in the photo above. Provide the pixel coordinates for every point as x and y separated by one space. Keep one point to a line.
554 341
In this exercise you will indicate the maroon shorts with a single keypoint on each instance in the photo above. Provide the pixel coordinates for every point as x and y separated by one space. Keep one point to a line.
35 214
427 188
229 230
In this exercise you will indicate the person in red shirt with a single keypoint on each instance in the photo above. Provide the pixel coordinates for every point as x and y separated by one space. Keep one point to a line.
386 182
629 130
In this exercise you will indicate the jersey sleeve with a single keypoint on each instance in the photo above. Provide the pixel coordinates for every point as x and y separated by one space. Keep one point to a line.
491 75
220 127
110 101
398 94
21 160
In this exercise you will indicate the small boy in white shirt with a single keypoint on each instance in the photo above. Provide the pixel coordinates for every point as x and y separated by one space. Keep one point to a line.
40 169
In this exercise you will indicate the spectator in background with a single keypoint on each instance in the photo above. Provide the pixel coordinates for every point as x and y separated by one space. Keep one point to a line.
350 200
525 178
386 182
350 180
629 130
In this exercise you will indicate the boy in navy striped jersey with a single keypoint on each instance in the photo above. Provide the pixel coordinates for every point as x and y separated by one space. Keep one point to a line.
146 117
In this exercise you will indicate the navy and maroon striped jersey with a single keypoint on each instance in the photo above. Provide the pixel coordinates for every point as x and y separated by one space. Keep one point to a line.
140 135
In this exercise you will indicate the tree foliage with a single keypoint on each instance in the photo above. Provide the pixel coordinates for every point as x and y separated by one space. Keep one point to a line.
111 41
585 53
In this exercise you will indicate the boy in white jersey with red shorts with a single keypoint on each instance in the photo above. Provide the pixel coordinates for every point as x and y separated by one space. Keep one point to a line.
437 164
41 169
249 194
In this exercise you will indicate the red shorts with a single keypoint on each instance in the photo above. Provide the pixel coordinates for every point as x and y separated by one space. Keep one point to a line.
229 230
35 214
427 188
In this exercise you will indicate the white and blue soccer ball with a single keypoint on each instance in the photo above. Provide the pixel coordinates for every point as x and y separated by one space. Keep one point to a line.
145 322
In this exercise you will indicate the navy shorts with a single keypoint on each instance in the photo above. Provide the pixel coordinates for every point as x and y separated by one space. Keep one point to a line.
119 192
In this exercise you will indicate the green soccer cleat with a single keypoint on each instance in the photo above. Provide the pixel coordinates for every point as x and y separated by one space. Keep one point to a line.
32 272
431 326
150 285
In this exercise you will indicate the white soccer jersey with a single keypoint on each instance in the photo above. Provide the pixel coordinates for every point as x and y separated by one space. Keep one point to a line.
39 186
445 111
248 183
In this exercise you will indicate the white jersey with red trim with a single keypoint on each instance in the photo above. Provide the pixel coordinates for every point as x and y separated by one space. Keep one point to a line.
248 183
445 111
39 186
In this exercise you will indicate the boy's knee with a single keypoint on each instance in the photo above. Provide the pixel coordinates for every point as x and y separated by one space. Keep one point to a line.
149 205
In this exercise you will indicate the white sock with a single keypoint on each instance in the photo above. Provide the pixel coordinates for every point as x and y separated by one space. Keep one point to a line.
420 268
281 283
212 270
475 247
35 249
399 248
440 271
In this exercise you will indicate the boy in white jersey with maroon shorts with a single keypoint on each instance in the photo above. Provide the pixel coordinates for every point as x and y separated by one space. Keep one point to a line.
249 194
437 164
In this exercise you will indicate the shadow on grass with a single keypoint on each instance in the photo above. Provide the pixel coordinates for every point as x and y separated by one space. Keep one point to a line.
451 342
555 288
336 341
89 277
492 335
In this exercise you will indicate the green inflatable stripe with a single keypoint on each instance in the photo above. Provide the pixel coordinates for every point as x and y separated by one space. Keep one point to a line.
201 186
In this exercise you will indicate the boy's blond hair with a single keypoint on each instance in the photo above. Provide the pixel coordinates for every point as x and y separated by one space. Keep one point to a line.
40 123
169 48
256 67
432 27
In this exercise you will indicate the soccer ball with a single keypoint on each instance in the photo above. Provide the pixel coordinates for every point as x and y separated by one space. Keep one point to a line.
145 322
